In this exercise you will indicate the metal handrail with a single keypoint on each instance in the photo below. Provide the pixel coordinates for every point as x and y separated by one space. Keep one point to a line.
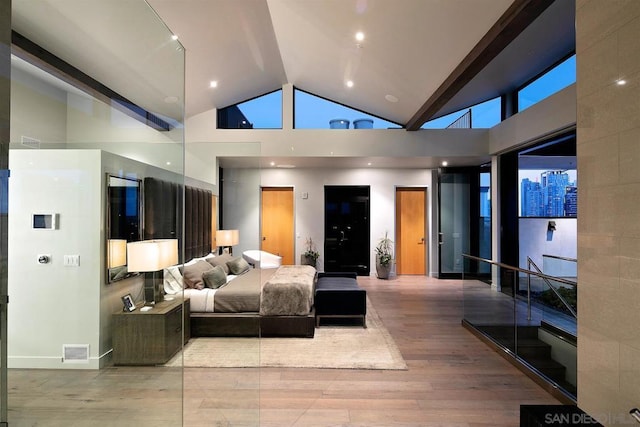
555 291
539 273
521 270
560 257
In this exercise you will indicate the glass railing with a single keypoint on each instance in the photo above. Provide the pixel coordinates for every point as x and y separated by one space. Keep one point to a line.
519 311
559 266
557 295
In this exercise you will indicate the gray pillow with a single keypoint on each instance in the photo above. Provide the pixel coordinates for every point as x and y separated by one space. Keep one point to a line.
221 260
215 278
238 265
192 274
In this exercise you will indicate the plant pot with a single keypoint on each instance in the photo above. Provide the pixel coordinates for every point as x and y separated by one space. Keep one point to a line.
383 271
306 260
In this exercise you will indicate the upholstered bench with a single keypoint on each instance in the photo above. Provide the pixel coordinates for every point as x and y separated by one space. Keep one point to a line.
338 295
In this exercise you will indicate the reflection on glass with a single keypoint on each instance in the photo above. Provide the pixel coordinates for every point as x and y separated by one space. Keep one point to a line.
123 224
65 137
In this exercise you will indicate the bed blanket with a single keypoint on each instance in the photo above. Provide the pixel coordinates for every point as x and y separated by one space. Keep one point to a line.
289 292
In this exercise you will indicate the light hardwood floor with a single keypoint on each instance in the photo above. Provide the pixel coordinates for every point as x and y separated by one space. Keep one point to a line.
453 379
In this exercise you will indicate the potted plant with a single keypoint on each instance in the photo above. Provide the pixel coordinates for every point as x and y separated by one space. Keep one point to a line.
310 255
384 257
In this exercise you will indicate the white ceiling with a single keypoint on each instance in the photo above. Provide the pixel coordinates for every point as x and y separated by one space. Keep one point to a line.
252 47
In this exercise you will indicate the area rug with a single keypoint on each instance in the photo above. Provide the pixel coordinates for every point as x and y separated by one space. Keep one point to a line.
336 347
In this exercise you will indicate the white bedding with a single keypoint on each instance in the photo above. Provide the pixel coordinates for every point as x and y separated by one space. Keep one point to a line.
203 300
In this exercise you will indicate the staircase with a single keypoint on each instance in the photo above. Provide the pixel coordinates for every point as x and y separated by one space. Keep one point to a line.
531 350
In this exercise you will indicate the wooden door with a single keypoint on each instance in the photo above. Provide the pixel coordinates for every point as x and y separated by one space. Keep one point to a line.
277 222
411 238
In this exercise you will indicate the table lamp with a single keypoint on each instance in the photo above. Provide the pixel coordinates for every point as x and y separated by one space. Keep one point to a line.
227 239
117 253
150 257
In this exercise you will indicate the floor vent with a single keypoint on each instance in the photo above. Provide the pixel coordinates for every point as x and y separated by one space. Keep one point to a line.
27 141
75 353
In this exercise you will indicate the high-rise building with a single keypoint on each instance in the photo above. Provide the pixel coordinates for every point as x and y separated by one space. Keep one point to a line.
554 196
571 201
531 198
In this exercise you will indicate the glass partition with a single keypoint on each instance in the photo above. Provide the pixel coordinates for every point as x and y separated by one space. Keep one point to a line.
93 97
558 266
537 326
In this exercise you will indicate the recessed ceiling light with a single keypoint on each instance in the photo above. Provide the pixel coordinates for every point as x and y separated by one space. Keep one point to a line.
213 83
369 164
272 163
445 163
621 82
391 98
174 37
359 36
349 83
286 166
168 163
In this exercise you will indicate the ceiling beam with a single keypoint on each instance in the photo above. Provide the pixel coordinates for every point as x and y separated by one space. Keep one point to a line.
513 21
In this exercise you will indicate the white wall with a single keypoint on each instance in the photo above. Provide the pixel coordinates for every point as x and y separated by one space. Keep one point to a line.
51 304
242 202
553 114
536 240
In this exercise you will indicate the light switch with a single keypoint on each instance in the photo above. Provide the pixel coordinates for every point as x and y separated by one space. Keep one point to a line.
71 260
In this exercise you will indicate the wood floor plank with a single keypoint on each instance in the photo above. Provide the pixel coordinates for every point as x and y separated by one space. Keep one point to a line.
452 379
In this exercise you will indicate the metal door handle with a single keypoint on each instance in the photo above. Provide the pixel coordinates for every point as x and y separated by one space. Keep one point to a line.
421 242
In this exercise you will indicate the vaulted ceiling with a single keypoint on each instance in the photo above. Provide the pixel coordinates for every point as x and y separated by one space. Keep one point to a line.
419 59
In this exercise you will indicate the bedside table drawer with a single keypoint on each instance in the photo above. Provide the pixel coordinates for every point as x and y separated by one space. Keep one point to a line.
173 332
150 337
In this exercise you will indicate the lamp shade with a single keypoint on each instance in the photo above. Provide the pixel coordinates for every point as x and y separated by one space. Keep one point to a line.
227 237
152 255
117 252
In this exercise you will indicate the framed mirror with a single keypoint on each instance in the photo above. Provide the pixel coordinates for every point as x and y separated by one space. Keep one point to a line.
123 223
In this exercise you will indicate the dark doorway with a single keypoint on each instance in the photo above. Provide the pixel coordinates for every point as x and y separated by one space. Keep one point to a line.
346 229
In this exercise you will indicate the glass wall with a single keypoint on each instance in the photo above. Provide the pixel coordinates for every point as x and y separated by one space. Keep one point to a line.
92 97
538 327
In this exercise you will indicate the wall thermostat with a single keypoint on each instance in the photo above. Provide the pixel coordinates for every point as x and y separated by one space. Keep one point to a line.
47 221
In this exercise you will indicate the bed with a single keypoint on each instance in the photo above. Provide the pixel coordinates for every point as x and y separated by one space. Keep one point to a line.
245 301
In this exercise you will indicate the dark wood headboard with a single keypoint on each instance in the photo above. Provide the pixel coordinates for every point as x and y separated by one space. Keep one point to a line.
163 215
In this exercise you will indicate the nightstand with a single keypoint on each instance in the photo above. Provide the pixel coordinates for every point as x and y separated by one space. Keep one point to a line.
150 337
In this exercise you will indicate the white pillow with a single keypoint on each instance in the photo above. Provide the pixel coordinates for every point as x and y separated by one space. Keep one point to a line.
173 283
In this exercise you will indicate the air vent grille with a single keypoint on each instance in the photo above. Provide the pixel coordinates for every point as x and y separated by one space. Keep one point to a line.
27 141
75 353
